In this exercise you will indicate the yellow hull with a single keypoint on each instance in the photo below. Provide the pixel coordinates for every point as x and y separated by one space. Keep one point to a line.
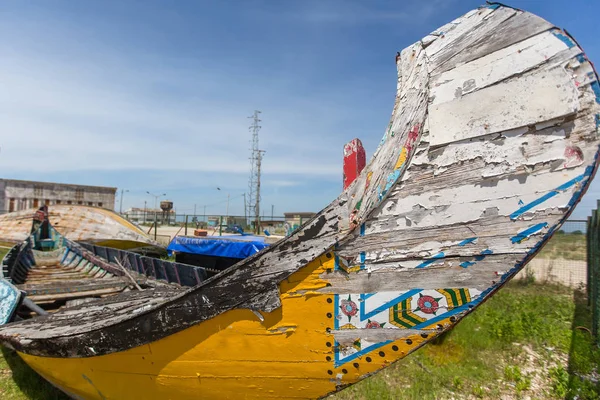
234 355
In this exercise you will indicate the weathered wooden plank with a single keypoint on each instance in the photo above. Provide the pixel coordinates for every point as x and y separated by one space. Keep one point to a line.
74 295
515 29
524 100
495 67
452 32
479 276
436 169
465 34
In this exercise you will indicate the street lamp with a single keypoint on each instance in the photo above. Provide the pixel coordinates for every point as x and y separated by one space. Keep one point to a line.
156 196
227 209
121 208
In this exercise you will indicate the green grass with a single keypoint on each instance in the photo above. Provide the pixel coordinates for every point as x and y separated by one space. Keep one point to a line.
19 382
522 342
570 246
3 251
526 341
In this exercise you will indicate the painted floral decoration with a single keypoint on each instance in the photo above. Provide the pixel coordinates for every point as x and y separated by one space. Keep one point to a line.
428 304
374 324
349 308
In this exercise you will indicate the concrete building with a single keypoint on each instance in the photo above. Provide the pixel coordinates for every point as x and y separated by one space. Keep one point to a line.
295 219
147 215
18 195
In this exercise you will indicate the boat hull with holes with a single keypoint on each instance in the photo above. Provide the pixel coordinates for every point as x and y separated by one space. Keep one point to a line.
492 142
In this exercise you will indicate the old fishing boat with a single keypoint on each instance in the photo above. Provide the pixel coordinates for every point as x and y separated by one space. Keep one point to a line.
81 224
48 272
493 140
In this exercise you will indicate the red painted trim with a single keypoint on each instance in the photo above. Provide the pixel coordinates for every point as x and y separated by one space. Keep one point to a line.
354 161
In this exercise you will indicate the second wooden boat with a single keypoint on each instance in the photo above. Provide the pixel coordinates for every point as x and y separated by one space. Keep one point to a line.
82 224
492 142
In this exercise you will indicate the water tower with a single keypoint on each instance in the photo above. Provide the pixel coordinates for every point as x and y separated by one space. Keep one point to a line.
166 206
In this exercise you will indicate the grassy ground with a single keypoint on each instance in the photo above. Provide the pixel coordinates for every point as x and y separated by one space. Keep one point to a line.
19 382
3 251
570 246
528 341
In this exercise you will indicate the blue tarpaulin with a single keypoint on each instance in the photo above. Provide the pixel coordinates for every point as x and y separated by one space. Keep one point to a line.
222 246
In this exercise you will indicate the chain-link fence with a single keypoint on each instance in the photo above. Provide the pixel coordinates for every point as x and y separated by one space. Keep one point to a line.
593 274
563 258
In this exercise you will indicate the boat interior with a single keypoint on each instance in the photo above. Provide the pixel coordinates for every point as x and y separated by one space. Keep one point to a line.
53 272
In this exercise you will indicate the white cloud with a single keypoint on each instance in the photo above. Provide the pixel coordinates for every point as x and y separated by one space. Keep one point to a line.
55 118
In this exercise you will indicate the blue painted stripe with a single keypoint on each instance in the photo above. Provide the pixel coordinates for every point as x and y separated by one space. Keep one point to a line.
336 262
336 311
482 255
581 58
359 353
577 194
366 315
391 179
431 260
596 88
362 229
467 264
362 260
493 6
549 195
440 317
365 296
563 38
62 261
519 237
467 241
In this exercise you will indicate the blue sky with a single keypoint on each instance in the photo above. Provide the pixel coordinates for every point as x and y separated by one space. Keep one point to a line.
154 95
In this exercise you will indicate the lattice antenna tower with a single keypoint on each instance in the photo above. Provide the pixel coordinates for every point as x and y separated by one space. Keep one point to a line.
253 198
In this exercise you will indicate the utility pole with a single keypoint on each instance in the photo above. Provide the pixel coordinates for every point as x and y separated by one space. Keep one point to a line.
257 209
245 209
227 211
253 199
121 208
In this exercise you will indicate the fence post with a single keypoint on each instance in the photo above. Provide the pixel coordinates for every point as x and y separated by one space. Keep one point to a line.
596 273
155 223
186 222
594 270
588 256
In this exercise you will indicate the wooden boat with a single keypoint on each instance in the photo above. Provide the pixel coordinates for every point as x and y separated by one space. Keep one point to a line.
493 140
49 272
81 224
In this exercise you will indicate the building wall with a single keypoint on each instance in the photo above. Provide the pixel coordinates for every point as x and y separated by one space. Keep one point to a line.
18 195
3 204
147 215
296 219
